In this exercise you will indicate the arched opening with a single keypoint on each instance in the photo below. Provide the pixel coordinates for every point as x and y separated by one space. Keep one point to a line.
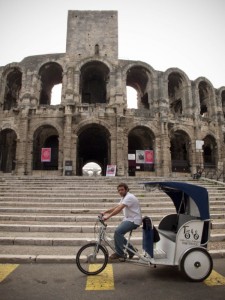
209 152
91 169
175 93
93 146
204 97
45 136
7 150
138 79
132 97
56 94
140 144
12 89
93 82
180 151
50 75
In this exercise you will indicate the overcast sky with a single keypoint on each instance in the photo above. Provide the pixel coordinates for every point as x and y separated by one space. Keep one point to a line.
186 34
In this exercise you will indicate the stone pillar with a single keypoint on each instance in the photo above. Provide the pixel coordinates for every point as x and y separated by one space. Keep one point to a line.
67 135
120 149
68 81
77 96
22 152
113 146
74 153
165 151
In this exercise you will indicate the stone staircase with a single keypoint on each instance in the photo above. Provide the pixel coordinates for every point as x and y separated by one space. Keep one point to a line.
47 219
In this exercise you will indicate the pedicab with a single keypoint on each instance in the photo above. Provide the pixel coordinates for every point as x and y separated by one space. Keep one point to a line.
182 242
184 235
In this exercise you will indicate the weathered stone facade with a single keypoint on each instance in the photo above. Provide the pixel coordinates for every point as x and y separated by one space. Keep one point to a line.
93 122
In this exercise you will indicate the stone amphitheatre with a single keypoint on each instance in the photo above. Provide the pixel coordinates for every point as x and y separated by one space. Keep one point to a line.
47 202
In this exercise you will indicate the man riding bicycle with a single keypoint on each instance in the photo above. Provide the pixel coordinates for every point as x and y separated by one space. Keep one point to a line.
130 206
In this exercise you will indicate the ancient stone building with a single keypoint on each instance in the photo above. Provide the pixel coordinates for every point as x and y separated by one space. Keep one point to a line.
93 122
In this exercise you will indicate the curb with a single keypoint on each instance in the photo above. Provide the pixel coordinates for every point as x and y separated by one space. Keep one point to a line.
22 259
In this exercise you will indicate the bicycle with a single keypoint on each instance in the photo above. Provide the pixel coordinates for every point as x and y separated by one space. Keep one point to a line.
92 258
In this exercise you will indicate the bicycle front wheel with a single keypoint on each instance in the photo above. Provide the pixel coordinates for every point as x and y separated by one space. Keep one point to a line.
92 259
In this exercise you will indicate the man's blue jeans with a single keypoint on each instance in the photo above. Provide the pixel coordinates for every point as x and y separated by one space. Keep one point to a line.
119 238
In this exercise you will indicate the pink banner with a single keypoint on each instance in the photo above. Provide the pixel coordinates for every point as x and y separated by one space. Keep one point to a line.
46 154
149 157
111 170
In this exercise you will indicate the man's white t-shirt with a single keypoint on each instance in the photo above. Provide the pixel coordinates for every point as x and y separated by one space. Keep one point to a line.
132 211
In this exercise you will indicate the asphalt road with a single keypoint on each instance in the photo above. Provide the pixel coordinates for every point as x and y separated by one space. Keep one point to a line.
64 281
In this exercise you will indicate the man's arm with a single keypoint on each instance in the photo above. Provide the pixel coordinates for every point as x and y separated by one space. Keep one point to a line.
114 211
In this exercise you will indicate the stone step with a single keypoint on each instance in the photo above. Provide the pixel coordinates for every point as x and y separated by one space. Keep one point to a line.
89 210
95 211
81 228
77 218
75 203
47 218
71 240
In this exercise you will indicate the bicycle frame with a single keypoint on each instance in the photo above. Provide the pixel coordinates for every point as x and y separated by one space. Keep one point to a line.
105 237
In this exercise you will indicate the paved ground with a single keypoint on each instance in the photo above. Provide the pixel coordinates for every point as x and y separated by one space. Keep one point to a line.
64 281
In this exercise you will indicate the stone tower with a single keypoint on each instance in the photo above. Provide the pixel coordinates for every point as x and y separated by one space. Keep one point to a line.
93 122
92 33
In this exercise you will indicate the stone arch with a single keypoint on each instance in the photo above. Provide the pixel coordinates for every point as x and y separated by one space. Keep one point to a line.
180 149
89 60
93 145
94 78
50 74
140 76
205 97
178 90
210 152
11 86
8 144
221 99
45 136
141 142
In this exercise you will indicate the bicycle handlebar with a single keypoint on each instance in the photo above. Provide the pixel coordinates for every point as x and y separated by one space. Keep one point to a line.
101 219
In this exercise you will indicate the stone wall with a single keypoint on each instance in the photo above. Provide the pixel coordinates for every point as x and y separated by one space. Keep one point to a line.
93 121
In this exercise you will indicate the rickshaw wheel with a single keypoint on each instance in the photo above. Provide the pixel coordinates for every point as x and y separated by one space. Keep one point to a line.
196 264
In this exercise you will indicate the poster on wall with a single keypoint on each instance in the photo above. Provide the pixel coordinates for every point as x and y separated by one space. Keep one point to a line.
131 156
140 156
149 157
45 154
111 170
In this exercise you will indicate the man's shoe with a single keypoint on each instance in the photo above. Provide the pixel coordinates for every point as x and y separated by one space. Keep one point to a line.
131 254
115 256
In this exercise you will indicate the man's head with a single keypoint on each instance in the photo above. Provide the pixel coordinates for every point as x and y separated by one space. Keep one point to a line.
122 189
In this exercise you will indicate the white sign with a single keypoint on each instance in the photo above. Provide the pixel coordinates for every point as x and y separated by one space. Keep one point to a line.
131 156
199 144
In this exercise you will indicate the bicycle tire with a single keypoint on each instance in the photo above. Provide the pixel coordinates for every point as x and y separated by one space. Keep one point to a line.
92 262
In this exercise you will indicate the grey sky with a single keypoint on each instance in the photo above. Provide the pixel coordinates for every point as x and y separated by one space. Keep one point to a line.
186 34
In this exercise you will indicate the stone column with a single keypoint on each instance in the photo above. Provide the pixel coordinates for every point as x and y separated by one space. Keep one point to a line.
67 135
165 151
77 96
22 152
120 149
74 153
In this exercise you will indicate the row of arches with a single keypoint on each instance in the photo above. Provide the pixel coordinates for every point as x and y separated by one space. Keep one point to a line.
94 145
95 81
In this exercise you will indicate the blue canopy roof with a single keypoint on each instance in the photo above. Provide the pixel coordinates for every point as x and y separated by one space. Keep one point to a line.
179 191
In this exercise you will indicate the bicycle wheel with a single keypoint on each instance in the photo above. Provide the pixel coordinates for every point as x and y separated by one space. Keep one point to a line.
92 259
196 264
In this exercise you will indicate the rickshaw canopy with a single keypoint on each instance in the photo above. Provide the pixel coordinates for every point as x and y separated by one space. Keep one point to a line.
181 192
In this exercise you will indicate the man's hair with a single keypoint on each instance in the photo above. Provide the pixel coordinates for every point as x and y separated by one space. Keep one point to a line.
122 184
